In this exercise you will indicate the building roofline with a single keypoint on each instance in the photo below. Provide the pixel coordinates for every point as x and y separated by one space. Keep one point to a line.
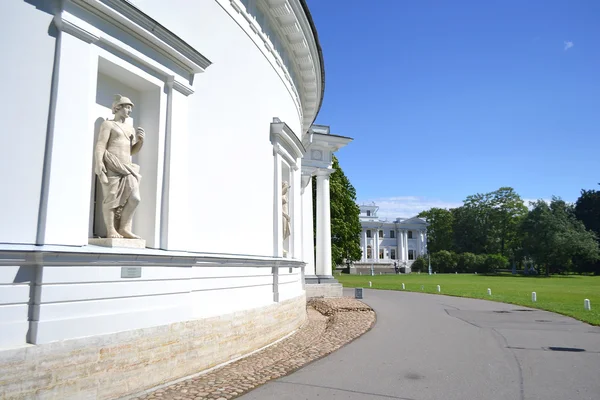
319 50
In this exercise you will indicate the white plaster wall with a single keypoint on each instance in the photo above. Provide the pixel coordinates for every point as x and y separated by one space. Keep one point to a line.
71 302
27 58
230 155
14 299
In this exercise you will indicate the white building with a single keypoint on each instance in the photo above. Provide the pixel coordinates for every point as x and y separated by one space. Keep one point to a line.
227 91
385 243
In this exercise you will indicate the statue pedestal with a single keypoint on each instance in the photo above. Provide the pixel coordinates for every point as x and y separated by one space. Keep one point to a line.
118 242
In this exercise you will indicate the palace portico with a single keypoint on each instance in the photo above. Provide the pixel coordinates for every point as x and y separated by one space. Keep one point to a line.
384 243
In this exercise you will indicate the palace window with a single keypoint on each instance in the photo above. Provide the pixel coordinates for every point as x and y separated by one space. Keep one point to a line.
393 254
381 254
368 213
410 234
369 252
411 254
368 233
380 234
392 234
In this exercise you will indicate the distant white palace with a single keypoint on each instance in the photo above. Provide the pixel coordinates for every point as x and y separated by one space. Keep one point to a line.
384 243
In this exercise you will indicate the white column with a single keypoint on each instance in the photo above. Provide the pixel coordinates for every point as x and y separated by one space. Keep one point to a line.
376 240
277 209
405 245
365 244
308 243
323 225
398 246
418 244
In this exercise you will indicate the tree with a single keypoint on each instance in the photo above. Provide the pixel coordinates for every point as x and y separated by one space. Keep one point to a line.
587 210
508 210
439 231
345 224
444 261
489 222
554 237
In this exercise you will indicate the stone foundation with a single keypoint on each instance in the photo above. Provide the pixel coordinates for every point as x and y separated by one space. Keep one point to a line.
111 366
324 290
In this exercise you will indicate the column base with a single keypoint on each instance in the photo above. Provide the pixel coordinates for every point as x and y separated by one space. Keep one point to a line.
327 290
311 279
327 279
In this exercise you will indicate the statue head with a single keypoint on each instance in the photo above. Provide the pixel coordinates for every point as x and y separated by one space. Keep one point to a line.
120 102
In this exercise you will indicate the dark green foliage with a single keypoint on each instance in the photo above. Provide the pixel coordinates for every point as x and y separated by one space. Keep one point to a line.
489 223
439 231
419 265
345 224
556 239
444 261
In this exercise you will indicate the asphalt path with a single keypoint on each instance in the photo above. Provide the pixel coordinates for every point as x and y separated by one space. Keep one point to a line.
440 347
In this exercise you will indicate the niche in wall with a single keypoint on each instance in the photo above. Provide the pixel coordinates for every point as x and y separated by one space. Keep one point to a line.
146 95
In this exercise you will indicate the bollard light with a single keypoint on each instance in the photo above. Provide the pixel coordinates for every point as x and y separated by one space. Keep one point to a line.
489 292
439 289
587 305
370 284
403 286
533 297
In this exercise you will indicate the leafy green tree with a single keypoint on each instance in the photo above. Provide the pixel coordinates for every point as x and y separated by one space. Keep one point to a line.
420 264
493 262
439 232
467 262
444 261
508 210
554 237
587 210
488 223
345 224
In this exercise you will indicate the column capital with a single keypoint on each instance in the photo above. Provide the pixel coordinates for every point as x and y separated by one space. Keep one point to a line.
324 172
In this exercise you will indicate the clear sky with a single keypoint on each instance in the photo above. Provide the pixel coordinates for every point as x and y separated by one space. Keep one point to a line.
450 98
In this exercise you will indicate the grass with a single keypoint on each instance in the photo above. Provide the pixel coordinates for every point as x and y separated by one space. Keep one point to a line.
560 294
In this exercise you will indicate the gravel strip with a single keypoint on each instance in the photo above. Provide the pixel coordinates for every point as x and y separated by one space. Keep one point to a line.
330 324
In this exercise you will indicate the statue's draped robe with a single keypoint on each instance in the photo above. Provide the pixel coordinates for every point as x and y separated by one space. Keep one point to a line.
123 179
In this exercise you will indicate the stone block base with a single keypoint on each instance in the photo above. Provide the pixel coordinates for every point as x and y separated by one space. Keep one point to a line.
118 242
324 290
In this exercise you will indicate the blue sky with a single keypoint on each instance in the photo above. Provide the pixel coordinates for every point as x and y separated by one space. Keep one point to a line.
450 98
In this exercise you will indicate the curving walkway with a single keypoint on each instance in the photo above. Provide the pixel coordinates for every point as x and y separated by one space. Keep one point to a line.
439 347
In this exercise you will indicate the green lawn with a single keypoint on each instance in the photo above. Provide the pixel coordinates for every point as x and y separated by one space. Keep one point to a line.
561 294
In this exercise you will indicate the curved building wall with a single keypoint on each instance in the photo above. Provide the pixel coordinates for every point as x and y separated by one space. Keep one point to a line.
26 87
221 137
231 156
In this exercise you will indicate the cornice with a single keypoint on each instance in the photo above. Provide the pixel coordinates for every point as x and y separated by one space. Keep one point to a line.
295 29
25 255
283 135
128 18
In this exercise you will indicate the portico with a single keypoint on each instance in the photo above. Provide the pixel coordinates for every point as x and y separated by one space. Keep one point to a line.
320 145
384 243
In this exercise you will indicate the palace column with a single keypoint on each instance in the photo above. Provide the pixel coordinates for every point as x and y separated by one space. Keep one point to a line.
398 247
405 239
323 260
418 244
365 244
376 246
308 243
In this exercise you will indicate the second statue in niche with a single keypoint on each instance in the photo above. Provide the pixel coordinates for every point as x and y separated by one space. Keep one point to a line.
120 178
285 209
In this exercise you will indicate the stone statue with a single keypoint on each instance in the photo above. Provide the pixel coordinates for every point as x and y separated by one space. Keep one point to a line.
285 209
119 177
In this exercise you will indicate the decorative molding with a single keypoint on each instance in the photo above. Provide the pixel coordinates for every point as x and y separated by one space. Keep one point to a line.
128 10
284 136
182 88
295 32
93 256
127 18
69 27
